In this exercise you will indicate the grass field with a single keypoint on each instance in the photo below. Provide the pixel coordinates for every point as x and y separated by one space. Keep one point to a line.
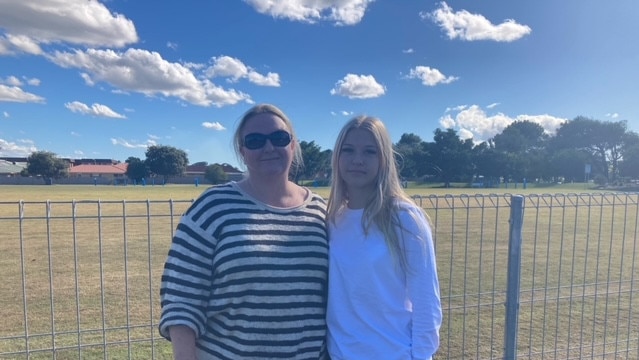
186 192
81 268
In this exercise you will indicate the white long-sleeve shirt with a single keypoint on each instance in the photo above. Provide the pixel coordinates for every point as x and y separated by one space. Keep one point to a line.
375 309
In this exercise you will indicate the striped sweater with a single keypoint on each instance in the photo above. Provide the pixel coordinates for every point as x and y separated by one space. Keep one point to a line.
250 280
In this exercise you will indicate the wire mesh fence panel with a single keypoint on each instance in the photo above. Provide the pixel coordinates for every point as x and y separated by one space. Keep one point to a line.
81 278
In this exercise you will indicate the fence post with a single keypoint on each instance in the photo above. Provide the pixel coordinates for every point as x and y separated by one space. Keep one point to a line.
514 272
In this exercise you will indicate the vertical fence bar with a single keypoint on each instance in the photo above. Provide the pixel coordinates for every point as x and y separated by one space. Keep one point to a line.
514 271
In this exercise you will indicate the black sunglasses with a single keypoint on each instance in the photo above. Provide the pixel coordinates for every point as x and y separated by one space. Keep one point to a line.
279 138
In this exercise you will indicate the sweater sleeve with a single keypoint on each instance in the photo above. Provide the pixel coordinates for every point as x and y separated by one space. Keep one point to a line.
422 283
186 279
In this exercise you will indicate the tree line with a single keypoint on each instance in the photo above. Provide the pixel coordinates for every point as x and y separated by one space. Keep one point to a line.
582 149
161 161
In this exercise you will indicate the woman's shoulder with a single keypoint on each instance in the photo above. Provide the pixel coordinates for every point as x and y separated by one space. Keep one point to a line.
217 193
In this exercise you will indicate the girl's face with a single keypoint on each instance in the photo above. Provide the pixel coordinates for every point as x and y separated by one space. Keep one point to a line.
359 161
275 155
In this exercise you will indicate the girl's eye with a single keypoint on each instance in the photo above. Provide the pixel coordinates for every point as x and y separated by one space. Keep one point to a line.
371 152
346 150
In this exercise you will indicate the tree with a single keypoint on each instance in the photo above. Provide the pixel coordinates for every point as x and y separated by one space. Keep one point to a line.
316 162
602 140
569 164
451 156
629 166
47 165
215 174
523 144
137 169
412 156
521 137
489 163
166 161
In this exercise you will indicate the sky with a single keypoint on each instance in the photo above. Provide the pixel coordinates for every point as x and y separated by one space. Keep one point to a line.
106 79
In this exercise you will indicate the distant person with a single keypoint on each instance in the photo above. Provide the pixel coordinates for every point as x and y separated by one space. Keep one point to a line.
383 298
246 275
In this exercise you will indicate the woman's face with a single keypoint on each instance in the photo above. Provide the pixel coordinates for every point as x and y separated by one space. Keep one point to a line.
359 160
269 159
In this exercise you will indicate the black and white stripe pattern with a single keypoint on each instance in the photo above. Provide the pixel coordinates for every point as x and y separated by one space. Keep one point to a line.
250 280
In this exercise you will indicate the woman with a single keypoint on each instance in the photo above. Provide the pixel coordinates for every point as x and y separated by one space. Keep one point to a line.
246 274
383 298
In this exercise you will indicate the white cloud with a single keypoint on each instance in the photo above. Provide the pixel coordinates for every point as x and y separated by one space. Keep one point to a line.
11 44
13 81
226 66
16 94
491 106
408 51
270 79
215 126
340 12
473 122
146 72
94 110
456 108
612 115
132 144
466 26
430 76
234 69
28 24
358 87
5 114
20 148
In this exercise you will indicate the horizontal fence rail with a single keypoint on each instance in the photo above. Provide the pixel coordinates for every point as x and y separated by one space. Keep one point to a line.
81 278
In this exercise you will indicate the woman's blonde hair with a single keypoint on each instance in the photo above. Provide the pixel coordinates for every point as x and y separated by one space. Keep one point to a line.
298 161
383 206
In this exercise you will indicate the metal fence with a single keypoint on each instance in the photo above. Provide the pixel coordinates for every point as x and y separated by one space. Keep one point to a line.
521 277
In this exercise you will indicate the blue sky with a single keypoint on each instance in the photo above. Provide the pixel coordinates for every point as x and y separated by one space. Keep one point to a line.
106 79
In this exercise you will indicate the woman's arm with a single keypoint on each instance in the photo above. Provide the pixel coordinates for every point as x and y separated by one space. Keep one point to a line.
183 342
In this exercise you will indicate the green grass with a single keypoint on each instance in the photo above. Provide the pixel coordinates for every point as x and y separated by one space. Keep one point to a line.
92 269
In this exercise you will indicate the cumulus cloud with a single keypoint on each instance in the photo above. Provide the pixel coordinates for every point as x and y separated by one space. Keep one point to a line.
234 69
430 76
339 12
11 90
358 87
19 148
146 72
467 26
94 110
16 94
94 33
473 122
213 125
29 24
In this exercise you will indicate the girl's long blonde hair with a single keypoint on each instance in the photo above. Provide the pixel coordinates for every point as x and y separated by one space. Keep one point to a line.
383 207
